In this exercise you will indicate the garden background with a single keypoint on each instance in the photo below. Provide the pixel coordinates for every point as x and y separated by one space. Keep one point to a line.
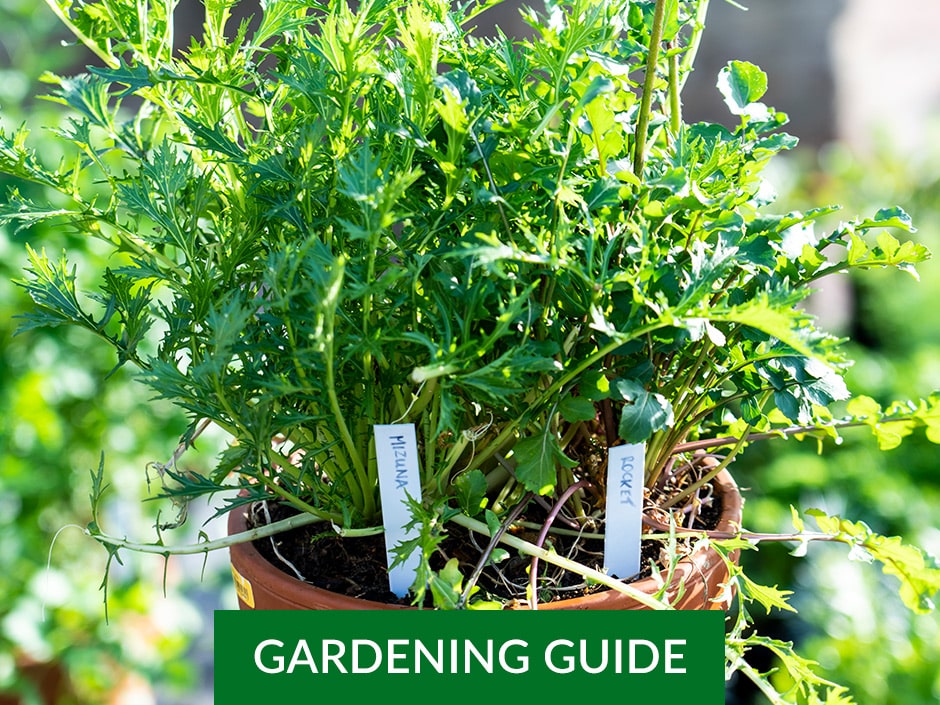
860 80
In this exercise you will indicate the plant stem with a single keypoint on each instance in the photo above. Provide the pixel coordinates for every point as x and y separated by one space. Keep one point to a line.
104 56
707 477
675 105
698 27
512 427
488 551
204 547
646 101
362 488
707 443
551 557
549 520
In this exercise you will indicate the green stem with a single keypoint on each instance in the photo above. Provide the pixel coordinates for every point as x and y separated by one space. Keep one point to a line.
361 492
758 679
512 427
298 503
106 57
567 564
646 101
675 105
241 537
695 40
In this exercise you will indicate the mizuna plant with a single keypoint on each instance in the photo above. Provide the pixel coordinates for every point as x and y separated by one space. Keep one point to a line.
334 218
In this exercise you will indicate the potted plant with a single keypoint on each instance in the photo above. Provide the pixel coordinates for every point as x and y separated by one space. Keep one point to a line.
335 221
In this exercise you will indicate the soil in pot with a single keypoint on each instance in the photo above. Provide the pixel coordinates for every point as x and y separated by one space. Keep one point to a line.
355 570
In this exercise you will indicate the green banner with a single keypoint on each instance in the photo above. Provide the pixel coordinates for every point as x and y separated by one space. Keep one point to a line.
467 657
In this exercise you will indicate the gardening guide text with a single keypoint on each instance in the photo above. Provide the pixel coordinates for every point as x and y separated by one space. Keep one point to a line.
550 653
406 656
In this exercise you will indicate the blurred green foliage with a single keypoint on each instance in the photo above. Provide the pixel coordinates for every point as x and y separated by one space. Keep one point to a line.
52 426
851 621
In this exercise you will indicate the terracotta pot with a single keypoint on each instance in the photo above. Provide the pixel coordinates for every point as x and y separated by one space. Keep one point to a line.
262 586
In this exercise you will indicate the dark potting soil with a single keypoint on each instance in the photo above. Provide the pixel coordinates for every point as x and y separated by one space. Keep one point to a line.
356 566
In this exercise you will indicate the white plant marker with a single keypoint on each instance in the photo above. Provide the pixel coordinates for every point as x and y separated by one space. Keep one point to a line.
625 478
396 452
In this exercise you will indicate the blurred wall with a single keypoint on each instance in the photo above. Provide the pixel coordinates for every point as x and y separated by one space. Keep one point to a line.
887 66
790 40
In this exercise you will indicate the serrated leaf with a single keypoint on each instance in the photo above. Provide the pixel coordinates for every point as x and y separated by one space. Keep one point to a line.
769 597
134 77
52 287
919 577
98 488
775 314
537 460
919 580
887 252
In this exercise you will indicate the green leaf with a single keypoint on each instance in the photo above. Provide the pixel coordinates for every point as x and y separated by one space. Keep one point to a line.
52 287
537 460
889 218
864 408
98 488
919 580
798 522
134 77
919 576
90 96
600 84
131 304
794 409
775 313
594 386
446 585
214 138
741 83
769 597
20 161
801 672
471 492
928 413
888 432
643 412
887 252
574 409
492 522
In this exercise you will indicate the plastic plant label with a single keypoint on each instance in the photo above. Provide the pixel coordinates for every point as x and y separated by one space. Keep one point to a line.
396 451
624 509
